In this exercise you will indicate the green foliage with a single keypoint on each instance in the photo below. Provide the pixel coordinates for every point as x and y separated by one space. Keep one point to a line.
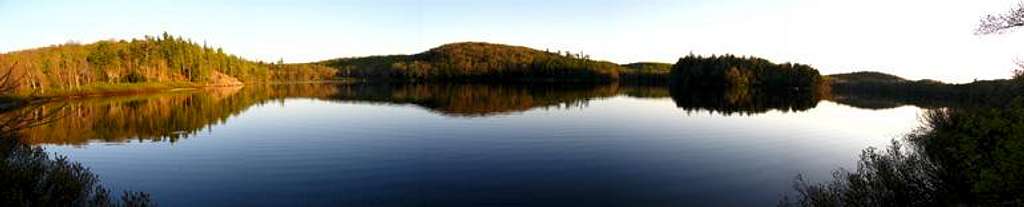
971 156
979 152
731 71
31 177
479 62
893 177
152 59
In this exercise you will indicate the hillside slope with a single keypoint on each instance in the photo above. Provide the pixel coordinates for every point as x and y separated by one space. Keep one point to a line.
477 61
850 88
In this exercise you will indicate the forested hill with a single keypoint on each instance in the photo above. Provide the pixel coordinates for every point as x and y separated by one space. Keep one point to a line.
476 61
925 92
865 76
157 60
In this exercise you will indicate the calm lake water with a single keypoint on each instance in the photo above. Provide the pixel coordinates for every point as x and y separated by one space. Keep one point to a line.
465 145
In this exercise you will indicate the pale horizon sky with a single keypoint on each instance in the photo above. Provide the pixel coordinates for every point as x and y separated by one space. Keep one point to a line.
916 39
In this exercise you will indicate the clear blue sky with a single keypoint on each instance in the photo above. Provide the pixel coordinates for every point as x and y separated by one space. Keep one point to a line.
913 38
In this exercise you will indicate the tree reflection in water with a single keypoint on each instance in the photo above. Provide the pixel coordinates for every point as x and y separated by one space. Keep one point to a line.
745 101
915 171
31 177
174 116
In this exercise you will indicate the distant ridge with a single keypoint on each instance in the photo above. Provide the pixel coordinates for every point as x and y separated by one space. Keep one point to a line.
866 76
479 61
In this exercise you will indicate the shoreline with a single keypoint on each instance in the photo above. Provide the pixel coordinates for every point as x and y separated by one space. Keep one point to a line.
113 90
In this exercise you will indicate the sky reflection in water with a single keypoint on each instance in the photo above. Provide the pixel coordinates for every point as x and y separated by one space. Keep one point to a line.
399 149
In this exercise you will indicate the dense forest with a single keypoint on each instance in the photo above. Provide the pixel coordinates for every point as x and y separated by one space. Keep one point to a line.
479 62
730 71
162 59
645 72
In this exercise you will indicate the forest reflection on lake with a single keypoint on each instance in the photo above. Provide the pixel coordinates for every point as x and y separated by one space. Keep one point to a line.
464 144
170 116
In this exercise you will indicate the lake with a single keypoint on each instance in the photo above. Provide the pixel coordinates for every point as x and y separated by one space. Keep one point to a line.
466 144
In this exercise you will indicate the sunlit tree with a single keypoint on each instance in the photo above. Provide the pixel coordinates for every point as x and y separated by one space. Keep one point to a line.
164 58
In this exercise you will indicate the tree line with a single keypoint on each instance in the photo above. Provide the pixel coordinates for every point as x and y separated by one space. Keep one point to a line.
163 58
486 62
171 59
730 71
645 73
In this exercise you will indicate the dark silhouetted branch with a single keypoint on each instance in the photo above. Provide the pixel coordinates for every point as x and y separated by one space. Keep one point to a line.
995 24
1018 74
8 82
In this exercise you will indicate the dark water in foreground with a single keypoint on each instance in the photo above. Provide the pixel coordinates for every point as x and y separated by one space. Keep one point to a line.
451 145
